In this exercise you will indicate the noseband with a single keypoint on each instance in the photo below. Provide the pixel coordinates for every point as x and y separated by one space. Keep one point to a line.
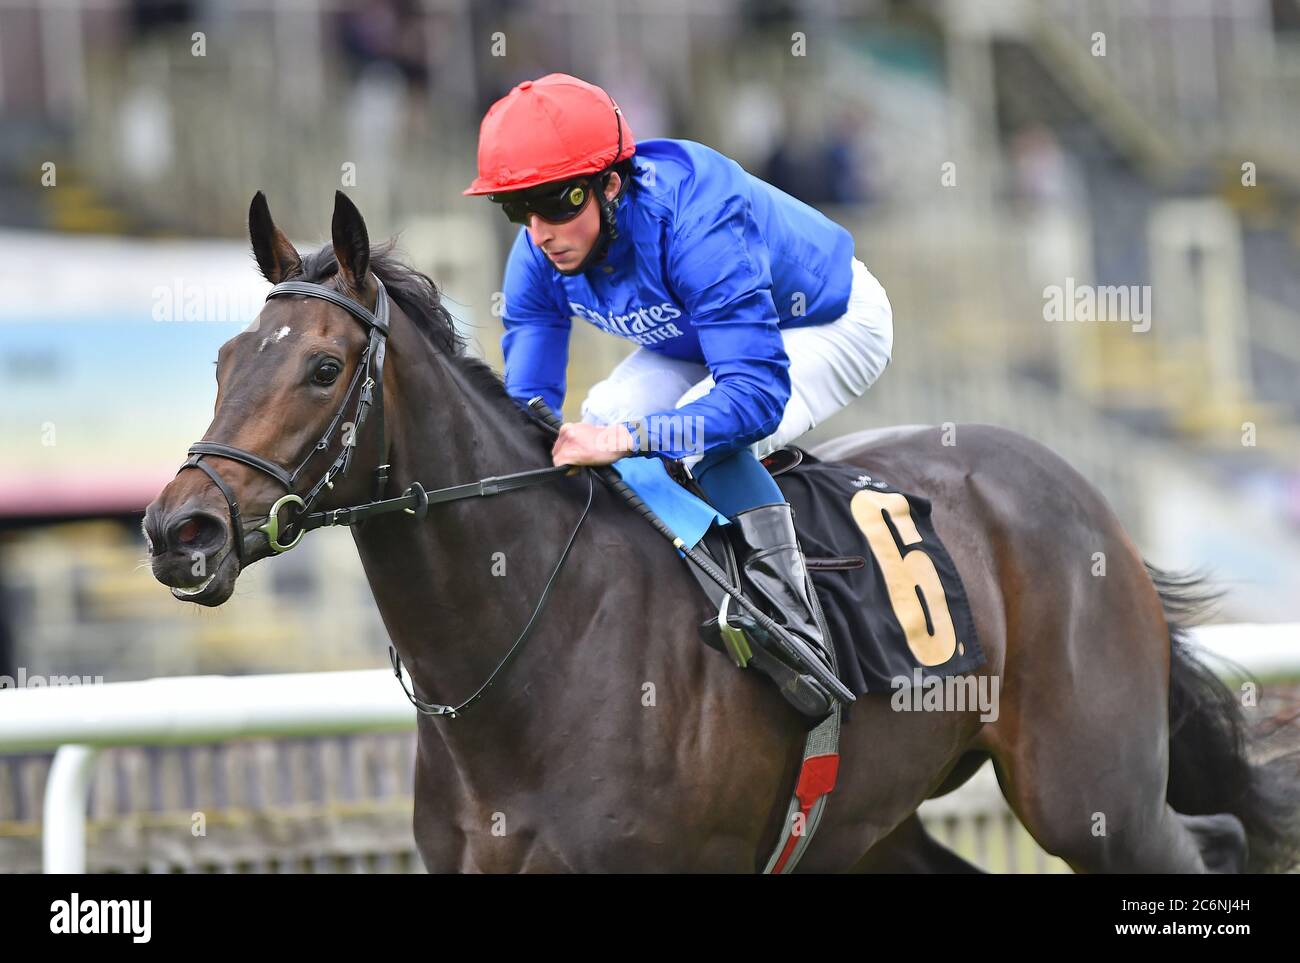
370 374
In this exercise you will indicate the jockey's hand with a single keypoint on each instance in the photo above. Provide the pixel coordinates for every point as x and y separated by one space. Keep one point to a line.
580 443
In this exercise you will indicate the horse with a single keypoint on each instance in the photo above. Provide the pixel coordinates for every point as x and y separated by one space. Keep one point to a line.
615 740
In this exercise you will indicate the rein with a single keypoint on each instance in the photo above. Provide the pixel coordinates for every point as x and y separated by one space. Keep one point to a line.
415 501
436 709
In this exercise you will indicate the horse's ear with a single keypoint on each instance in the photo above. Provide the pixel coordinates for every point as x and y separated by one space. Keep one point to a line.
275 255
351 243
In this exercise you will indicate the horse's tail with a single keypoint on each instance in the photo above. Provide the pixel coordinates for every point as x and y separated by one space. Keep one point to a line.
1210 745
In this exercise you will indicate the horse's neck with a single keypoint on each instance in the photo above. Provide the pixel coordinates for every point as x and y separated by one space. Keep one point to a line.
456 589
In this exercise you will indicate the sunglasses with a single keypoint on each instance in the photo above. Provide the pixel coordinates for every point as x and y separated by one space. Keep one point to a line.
556 204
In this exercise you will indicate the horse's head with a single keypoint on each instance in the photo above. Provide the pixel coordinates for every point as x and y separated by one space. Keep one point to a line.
293 392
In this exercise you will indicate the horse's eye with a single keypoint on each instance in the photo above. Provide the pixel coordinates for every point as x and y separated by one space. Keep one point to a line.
326 373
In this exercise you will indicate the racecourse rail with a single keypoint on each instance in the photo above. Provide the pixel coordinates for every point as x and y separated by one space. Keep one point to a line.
78 721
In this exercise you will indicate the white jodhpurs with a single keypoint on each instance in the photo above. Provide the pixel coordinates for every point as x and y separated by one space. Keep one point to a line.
830 365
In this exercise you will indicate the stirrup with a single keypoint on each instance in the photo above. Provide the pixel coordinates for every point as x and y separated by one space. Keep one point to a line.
737 635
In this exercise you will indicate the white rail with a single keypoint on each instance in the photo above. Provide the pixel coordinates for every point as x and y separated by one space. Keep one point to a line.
198 709
79 720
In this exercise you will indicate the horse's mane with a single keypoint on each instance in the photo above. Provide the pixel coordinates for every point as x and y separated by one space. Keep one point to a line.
418 297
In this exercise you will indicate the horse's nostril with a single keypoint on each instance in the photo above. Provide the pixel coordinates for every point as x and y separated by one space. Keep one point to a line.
197 531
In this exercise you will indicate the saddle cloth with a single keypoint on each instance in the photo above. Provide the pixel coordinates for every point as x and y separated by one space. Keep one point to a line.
894 603
901 616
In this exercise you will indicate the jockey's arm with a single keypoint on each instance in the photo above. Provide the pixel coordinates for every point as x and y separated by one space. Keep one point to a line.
721 270
536 339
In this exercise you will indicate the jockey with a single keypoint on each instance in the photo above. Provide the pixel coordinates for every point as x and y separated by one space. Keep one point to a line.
754 319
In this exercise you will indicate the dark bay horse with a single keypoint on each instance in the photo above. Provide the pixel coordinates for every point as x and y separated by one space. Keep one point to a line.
616 741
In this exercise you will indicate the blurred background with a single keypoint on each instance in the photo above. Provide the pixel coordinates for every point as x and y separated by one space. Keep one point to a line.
984 154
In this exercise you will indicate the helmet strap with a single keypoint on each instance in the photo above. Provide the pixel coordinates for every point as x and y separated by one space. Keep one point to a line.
608 225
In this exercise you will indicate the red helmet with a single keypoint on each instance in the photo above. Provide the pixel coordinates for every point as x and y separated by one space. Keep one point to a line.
546 130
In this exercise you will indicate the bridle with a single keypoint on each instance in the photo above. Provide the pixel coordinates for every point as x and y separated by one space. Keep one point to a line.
370 396
414 501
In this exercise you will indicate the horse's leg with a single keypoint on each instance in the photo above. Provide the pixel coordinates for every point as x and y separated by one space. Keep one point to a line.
1122 829
1081 747
1081 742
911 849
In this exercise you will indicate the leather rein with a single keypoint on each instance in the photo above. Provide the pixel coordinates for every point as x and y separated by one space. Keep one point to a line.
414 501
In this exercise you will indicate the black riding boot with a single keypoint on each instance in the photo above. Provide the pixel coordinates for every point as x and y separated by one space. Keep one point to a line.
774 568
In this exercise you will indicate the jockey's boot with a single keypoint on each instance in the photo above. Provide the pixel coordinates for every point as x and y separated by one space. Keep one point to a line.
774 567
